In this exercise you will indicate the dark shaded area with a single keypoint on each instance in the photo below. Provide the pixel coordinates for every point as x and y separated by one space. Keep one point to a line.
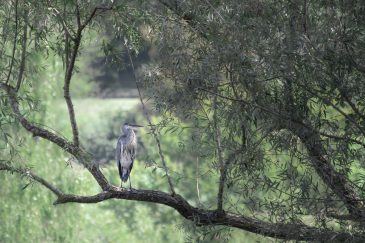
115 75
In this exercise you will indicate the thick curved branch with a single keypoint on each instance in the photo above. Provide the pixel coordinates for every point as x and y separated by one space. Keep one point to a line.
215 217
30 127
311 138
199 216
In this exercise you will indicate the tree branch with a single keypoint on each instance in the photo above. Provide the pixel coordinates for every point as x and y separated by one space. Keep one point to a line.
93 13
64 24
66 89
221 163
199 216
329 175
30 127
69 70
352 105
203 217
342 138
28 173
48 135
328 102
311 138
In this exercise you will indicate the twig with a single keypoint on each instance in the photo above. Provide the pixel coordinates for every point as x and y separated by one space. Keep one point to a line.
217 133
93 13
28 173
64 24
153 130
342 138
14 43
23 57
197 178
328 102
67 42
352 105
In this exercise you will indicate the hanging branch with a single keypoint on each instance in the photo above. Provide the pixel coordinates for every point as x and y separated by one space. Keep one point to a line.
14 43
153 130
23 55
217 136
197 179
28 173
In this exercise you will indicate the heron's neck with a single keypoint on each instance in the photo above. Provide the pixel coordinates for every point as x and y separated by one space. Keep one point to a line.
130 135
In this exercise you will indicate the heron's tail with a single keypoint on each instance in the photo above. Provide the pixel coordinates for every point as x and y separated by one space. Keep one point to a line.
125 174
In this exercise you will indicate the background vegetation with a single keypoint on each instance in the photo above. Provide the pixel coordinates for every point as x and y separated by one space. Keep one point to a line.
258 105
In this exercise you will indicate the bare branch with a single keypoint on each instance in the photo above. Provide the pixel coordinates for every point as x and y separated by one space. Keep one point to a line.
28 173
152 128
197 179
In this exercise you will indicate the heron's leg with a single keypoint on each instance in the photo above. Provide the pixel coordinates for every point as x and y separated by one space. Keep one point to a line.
130 183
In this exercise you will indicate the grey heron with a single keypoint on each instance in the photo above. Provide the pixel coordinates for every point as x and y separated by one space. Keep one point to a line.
126 152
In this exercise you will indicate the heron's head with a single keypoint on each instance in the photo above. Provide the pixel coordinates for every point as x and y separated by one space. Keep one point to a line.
126 127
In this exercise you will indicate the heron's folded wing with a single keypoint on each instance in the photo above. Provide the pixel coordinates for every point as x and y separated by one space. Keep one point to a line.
118 151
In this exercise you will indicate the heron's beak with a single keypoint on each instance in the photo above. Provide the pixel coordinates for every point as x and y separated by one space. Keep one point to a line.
135 125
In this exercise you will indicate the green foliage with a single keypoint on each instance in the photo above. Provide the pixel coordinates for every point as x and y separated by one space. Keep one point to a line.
253 70
265 98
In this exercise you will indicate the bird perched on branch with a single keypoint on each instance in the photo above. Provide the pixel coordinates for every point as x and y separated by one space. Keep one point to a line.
126 152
